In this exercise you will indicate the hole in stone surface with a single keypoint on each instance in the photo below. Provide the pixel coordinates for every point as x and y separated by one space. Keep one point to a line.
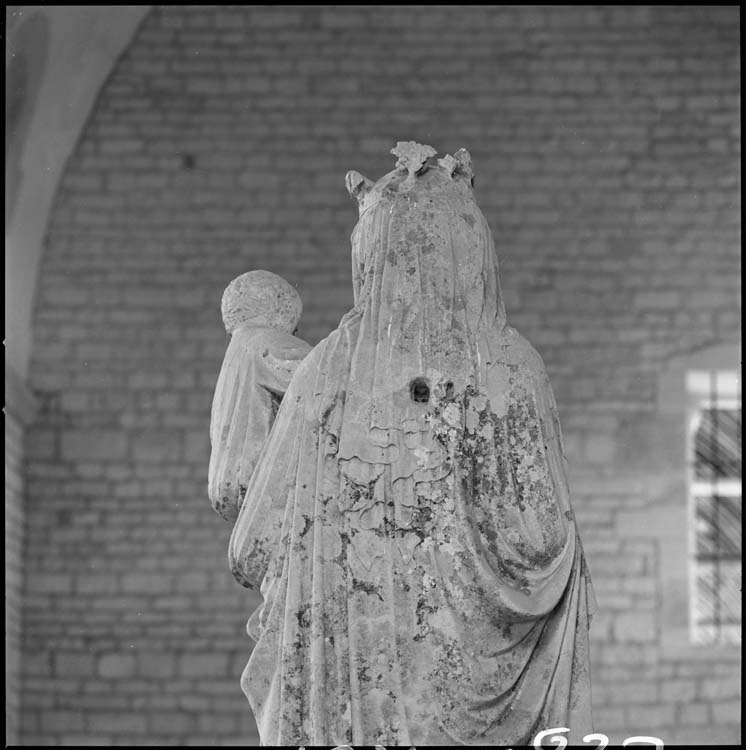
419 390
449 391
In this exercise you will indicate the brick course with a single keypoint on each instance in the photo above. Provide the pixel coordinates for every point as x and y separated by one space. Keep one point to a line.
605 142
20 408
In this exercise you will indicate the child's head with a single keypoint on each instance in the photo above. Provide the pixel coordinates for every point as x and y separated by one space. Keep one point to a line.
261 298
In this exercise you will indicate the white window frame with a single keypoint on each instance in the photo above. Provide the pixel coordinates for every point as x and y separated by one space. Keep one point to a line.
706 389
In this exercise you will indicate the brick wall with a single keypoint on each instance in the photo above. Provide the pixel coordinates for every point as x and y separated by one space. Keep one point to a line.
13 573
605 142
19 411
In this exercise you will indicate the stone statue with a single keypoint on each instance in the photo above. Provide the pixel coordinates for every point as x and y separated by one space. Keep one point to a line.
408 522
260 312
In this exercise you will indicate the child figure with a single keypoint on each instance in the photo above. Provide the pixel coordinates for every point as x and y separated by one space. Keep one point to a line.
260 312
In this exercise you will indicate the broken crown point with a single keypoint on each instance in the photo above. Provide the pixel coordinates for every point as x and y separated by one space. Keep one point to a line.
357 185
413 156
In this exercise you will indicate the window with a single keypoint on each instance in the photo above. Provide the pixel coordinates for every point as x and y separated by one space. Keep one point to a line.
714 471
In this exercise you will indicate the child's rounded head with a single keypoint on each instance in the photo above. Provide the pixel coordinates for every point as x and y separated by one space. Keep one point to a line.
261 298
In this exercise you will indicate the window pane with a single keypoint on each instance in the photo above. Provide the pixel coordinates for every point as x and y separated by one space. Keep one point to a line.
717 609
718 527
717 444
707 635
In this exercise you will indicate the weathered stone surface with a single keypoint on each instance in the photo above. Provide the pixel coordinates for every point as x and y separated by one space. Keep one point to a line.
409 522
260 312
260 298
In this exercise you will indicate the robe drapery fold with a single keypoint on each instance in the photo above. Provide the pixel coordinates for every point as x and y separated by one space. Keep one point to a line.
422 575
256 371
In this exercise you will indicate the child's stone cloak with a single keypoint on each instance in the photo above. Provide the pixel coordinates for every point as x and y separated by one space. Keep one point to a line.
258 365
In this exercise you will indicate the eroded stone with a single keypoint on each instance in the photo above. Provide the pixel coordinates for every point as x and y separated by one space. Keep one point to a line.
408 522
260 312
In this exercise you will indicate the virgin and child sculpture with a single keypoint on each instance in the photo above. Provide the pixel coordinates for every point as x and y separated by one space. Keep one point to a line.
400 492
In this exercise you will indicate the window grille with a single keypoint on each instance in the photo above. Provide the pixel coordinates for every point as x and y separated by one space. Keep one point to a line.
715 496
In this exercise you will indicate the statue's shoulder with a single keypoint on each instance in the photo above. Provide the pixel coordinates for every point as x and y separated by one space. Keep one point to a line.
327 361
267 341
331 354
247 338
516 350
278 342
314 363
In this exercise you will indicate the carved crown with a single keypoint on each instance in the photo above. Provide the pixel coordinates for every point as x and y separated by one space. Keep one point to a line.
413 162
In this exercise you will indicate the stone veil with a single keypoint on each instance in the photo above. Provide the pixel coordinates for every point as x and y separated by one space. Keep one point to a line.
408 521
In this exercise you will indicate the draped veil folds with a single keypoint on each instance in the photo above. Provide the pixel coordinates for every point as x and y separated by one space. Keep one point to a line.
422 576
427 305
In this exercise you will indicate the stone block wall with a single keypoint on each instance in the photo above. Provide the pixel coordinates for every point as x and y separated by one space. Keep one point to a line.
606 147
19 411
